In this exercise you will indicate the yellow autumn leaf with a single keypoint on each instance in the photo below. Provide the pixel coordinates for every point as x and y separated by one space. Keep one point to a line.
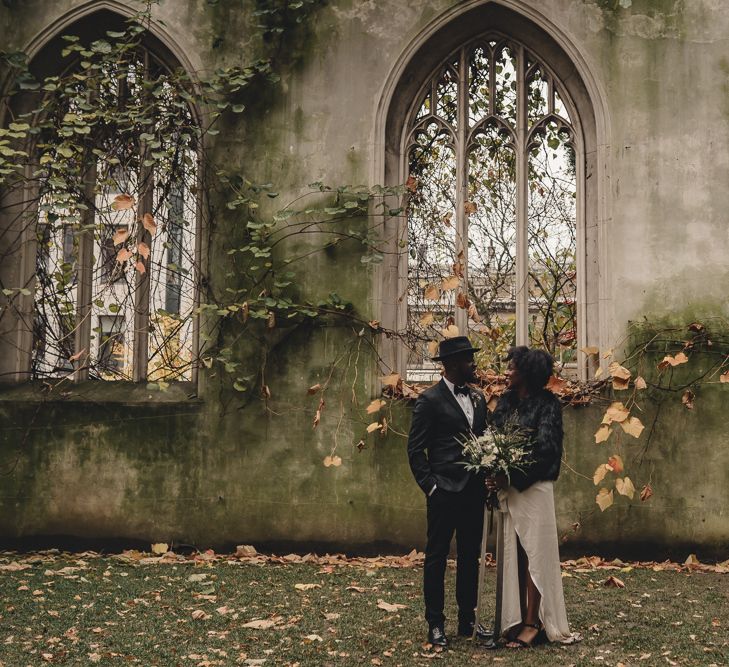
120 236
449 283
470 207
387 606
123 202
143 250
149 224
375 406
625 487
433 348
633 426
602 434
426 319
617 412
332 461
391 380
618 371
432 293
123 255
640 383
450 331
373 427
677 360
604 499
160 548
600 473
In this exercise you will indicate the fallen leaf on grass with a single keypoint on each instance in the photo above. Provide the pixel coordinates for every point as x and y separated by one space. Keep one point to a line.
160 548
306 587
692 560
313 638
387 606
613 582
200 615
356 589
245 550
331 617
14 567
262 623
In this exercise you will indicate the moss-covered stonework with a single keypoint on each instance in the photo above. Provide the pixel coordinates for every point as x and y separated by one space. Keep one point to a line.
223 468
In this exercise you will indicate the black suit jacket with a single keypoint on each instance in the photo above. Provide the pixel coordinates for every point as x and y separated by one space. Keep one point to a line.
437 432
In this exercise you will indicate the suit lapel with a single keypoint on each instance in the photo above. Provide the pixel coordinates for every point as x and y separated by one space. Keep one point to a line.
479 414
451 399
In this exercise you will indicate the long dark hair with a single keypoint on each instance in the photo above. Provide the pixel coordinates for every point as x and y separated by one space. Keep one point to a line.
534 366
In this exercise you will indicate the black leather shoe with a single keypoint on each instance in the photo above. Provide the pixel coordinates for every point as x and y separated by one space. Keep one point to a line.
437 636
482 634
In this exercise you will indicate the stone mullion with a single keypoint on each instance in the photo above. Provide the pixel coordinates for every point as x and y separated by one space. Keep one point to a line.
522 194
84 276
461 315
142 282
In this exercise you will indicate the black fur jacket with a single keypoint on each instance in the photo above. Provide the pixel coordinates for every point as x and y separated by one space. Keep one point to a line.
541 415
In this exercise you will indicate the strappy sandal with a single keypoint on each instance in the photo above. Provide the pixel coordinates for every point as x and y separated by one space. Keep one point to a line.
520 643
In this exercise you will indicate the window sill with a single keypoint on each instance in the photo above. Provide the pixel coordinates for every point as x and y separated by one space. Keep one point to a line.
95 391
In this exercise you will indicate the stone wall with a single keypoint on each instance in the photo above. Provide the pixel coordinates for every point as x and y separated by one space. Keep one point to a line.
218 469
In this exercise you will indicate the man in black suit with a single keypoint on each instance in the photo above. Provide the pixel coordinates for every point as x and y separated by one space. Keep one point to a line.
443 417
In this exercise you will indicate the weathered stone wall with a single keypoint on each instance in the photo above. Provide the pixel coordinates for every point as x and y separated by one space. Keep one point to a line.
122 462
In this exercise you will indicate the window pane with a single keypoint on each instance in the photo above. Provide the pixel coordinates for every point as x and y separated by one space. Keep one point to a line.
492 244
431 245
552 244
478 85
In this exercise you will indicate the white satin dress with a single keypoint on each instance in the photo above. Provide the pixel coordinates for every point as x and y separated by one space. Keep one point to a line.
530 515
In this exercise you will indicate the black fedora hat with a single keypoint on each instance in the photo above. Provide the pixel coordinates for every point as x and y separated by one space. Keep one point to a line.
455 345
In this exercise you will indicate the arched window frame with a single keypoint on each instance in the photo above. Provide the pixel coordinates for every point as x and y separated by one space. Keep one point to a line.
519 22
91 21
521 140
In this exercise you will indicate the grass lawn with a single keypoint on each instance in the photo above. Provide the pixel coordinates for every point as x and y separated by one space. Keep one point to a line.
84 609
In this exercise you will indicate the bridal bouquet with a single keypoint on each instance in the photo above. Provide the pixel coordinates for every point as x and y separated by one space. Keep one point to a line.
497 450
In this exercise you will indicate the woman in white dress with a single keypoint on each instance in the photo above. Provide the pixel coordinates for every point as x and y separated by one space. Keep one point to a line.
533 600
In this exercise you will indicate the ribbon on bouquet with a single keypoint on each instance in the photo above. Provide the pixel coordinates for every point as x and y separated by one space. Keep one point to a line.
495 504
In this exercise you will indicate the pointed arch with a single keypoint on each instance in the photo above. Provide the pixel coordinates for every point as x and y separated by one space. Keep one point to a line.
520 23
138 335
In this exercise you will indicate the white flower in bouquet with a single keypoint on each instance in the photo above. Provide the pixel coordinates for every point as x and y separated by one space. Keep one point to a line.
497 450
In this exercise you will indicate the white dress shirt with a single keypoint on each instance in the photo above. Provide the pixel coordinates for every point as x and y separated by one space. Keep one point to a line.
464 400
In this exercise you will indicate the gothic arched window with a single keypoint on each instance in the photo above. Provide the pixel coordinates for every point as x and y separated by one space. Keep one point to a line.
493 158
109 228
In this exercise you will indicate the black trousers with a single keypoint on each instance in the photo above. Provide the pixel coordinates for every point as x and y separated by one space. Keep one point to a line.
448 513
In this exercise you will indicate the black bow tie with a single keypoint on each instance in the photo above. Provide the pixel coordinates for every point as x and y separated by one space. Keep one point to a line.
460 390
